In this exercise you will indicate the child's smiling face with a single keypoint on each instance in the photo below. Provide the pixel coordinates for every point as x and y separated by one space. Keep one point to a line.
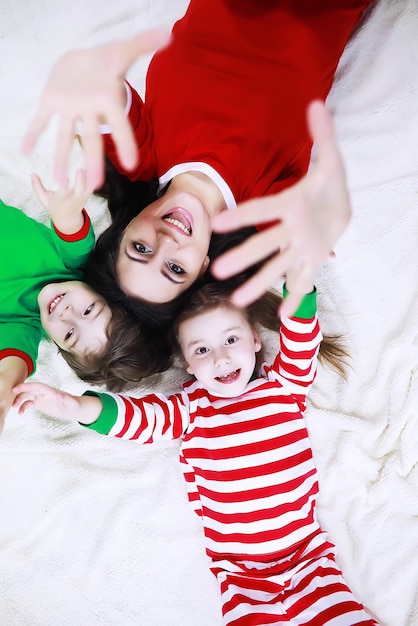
74 316
219 348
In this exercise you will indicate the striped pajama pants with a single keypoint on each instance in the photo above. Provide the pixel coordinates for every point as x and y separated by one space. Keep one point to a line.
310 593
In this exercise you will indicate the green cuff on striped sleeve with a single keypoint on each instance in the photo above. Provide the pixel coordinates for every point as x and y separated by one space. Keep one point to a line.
307 306
107 417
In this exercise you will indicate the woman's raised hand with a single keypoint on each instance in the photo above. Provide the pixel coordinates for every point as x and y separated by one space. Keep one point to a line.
86 89
310 216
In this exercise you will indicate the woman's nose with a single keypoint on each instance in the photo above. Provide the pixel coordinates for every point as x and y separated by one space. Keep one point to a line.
167 238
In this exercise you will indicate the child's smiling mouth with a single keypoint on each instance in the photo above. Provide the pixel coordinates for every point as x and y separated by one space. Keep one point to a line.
229 378
54 302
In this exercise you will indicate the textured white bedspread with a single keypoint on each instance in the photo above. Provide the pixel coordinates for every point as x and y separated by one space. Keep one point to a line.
99 532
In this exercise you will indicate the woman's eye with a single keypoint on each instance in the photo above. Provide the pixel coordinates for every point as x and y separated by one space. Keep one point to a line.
139 247
176 269
231 340
89 309
202 351
69 334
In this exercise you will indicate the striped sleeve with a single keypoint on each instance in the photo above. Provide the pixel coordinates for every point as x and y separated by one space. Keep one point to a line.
147 419
299 339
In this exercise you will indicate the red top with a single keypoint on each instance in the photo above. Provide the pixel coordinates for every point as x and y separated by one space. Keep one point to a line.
231 90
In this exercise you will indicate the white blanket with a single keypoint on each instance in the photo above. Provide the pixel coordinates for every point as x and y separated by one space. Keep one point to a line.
95 531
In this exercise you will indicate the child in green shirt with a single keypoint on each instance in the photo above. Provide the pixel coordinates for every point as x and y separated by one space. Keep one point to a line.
42 292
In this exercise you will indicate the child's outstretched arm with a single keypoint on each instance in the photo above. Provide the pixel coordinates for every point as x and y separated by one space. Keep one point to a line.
145 419
13 370
311 215
84 409
65 205
87 87
299 338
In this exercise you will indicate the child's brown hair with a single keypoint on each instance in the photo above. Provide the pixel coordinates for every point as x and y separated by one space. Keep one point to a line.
263 311
132 353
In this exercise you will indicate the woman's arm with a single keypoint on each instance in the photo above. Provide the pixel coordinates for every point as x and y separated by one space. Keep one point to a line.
86 89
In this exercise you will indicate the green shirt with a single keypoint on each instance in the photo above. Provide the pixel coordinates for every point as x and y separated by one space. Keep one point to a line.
31 256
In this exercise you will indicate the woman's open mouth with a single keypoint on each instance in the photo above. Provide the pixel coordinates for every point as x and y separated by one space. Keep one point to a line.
229 378
181 220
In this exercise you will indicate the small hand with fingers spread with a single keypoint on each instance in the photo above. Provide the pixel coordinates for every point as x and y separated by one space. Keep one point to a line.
46 400
56 403
309 218
65 205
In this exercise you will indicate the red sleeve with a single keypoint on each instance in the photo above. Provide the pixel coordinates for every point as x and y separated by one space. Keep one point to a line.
78 236
22 355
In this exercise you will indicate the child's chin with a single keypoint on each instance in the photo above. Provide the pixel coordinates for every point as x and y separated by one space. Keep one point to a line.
228 391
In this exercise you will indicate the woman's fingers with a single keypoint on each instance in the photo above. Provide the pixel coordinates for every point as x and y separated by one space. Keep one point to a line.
257 211
35 130
272 271
86 87
64 142
254 249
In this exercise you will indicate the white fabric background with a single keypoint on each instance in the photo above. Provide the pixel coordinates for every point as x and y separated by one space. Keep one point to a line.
98 532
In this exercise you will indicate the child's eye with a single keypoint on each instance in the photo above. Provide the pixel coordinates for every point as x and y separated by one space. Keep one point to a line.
69 334
176 269
89 309
231 340
139 247
202 350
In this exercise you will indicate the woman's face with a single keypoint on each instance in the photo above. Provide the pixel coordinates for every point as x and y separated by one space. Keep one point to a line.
165 248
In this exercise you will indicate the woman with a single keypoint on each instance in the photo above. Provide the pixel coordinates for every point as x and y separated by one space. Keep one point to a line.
223 122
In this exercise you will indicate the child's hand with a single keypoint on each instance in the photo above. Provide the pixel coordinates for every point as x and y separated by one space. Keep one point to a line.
86 87
65 205
84 409
46 400
311 216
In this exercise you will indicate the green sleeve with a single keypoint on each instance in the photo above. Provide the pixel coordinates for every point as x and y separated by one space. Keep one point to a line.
74 251
23 338
107 417
307 306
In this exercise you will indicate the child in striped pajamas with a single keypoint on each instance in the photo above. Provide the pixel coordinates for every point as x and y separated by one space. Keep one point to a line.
246 458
